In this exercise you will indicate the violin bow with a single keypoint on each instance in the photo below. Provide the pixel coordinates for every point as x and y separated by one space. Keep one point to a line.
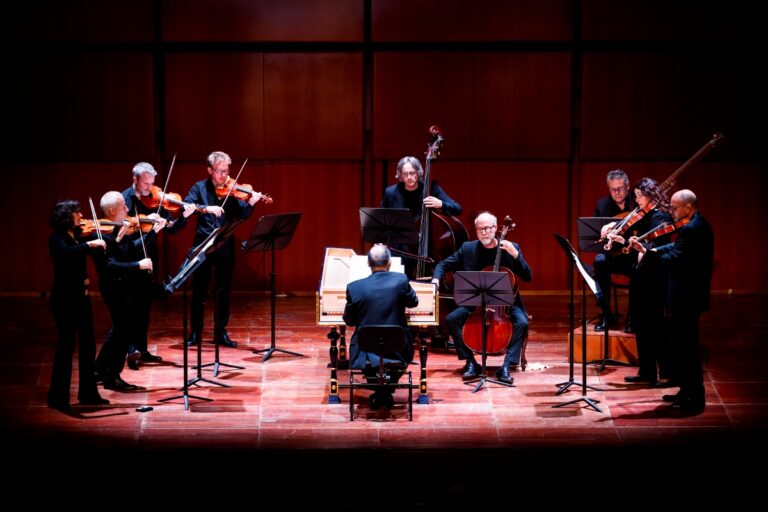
95 219
234 183
141 234
165 188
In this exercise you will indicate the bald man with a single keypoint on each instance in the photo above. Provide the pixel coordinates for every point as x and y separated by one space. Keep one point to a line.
688 263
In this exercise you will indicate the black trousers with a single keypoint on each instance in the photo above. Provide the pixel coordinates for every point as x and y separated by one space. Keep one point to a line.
219 265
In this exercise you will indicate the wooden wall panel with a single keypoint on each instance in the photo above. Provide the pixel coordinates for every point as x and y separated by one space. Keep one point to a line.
262 20
521 106
328 195
86 106
667 105
481 20
79 20
313 105
214 101
415 90
659 20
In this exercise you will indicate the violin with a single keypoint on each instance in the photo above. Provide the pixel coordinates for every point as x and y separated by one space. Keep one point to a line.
663 229
170 200
240 191
632 218
88 226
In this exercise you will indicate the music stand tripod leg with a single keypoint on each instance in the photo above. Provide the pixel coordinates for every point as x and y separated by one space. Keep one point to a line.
216 363
185 389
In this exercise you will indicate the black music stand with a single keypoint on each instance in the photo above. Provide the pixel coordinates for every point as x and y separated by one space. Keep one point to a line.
390 226
586 280
271 233
195 258
483 289
226 233
591 241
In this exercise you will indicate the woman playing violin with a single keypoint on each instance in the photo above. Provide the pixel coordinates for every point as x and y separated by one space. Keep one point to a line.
218 210
647 288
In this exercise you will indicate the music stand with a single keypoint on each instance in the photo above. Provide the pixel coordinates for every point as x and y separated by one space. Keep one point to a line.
390 226
271 233
483 289
224 235
586 280
195 258
591 241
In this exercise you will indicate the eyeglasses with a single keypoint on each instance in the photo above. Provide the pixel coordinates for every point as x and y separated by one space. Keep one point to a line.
485 228
220 172
617 190
409 174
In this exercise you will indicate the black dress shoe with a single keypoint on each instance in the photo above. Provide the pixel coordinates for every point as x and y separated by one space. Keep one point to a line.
194 339
665 384
603 322
689 405
59 406
226 341
471 370
640 378
503 375
672 398
150 358
94 400
119 384
133 365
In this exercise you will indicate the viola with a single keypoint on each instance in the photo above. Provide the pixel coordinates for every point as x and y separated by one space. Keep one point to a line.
170 200
499 327
663 229
240 191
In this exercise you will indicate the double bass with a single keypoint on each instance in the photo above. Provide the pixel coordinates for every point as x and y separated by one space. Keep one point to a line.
499 327
439 235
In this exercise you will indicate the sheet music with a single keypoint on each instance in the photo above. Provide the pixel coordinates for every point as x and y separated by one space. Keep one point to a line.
590 282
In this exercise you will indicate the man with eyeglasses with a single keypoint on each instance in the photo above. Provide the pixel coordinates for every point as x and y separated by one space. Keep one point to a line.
474 256
688 262
617 202
221 263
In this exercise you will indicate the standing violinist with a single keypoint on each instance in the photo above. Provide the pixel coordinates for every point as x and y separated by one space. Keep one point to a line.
606 263
218 210
409 193
138 200
123 277
688 263
647 288
71 307
475 256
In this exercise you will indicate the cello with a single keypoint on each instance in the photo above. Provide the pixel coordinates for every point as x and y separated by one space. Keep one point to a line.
439 235
499 326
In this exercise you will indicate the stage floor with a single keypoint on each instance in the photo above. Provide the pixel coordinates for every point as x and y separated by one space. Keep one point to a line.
282 404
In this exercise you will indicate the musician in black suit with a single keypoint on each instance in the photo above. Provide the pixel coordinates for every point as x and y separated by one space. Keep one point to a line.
409 193
379 299
71 307
124 274
143 178
474 256
221 263
688 262
606 263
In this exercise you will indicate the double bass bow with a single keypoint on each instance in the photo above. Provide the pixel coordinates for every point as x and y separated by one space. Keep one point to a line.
499 326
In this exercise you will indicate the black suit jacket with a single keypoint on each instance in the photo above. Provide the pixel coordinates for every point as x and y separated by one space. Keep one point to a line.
607 207
379 299
466 259
394 197
689 264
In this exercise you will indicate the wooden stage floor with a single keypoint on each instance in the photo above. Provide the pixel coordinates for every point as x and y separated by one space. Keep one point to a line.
280 406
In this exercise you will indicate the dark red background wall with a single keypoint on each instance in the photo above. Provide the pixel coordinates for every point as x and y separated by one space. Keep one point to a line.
537 101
